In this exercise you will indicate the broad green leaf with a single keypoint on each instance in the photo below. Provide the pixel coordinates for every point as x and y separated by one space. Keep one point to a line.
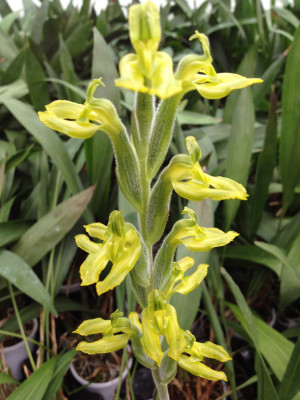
60 370
18 272
265 386
289 280
99 152
239 148
47 138
76 42
217 328
14 69
12 230
34 387
289 159
244 308
194 118
264 170
8 50
35 78
183 4
15 89
50 229
187 306
268 77
287 16
275 348
287 234
68 72
7 379
5 8
279 254
290 383
81 93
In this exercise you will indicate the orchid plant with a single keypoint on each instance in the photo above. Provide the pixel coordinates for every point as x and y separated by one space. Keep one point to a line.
139 157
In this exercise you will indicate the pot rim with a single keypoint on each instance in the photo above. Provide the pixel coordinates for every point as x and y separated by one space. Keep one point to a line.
16 347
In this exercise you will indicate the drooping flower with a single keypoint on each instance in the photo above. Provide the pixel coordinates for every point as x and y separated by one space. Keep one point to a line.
120 245
192 183
115 333
197 73
83 120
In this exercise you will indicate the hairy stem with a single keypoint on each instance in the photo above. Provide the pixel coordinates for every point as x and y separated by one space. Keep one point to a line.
162 388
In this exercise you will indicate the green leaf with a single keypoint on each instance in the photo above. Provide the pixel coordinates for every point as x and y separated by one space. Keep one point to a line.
51 228
68 72
187 306
36 385
60 370
239 148
183 4
287 234
290 383
289 280
18 272
49 140
195 118
7 379
275 348
35 78
289 159
287 16
256 255
8 50
264 171
12 230
15 89
265 386
13 71
279 254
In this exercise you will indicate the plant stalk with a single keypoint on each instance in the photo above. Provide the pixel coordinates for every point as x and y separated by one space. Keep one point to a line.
21 326
162 388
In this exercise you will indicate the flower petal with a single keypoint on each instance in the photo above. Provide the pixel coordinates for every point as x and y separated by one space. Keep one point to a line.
213 238
94 326
199 369
105 345
226 83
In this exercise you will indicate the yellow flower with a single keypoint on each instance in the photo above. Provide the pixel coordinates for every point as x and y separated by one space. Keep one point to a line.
147 71
188 283
83 120
116 333
196 238
197 351
120 245
196 72
190 182
160 318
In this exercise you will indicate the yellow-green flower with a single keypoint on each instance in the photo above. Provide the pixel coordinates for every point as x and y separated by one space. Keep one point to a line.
120 245
188 283
196 238
197 73
158 319
196 352
116 333
148 71
83 120
191 182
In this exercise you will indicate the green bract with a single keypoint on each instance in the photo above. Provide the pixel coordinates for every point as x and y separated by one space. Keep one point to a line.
139 158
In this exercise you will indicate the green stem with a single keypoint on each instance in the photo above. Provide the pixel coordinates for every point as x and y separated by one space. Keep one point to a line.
162 388
21 326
